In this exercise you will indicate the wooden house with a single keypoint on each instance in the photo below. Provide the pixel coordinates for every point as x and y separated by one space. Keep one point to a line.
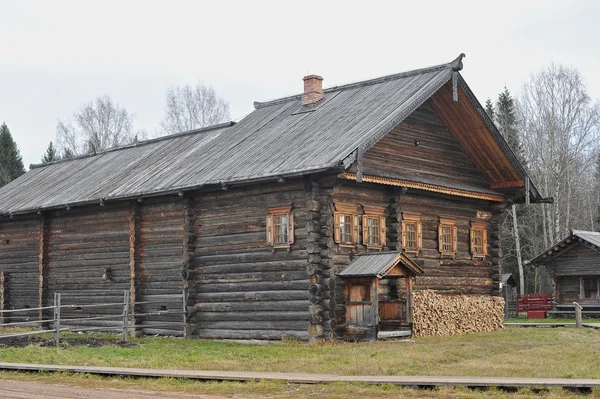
313 217
574 264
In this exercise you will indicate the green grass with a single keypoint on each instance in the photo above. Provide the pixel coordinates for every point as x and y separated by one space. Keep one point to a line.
512 352
556 320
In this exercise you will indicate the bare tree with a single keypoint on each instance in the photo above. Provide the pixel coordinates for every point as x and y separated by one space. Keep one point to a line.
98 125
560 125
192 107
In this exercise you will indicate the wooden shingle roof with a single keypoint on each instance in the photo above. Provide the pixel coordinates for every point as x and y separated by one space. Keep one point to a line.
281 138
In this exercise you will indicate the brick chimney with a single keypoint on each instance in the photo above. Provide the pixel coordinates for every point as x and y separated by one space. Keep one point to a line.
313 89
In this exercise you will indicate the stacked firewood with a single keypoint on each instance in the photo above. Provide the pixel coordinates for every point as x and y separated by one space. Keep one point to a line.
439 315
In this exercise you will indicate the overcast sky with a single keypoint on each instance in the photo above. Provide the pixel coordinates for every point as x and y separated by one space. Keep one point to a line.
55 56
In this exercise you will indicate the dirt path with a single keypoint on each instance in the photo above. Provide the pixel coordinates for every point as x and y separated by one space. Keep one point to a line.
31 390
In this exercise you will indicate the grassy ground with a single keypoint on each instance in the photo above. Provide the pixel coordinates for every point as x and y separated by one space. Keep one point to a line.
557 320
513 352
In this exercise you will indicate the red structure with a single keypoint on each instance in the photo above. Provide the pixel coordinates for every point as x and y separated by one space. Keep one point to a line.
536 305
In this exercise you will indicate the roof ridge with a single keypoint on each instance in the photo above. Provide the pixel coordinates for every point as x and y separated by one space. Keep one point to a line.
137 144
455 64
585 232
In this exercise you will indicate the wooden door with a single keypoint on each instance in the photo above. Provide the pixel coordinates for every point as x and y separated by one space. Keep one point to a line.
361 307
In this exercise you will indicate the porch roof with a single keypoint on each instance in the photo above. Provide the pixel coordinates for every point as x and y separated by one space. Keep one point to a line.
379 265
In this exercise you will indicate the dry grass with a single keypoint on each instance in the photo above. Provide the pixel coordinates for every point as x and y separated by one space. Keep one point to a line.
513 352
274 389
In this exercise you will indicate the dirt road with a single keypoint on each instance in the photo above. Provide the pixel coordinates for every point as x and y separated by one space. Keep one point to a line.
31 390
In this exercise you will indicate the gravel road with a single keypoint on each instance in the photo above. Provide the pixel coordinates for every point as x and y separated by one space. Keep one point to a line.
31 390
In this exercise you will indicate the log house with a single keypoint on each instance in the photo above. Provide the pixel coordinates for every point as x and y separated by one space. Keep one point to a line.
250 226
574 264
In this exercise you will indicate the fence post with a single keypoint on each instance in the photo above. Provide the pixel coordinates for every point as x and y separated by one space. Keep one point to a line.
125 334
578 320
56 318
2 297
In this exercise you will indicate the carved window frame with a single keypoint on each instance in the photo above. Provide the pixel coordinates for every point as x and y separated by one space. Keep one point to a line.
346 211
413 219
450 226
376 214
274 214
479 229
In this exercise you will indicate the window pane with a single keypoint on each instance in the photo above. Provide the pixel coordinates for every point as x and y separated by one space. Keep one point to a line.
373 231
281 229
478 242
411 235
346 229
446 239
590 288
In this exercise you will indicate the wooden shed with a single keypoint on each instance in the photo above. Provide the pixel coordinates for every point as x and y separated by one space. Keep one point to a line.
378 290
243 230
574 264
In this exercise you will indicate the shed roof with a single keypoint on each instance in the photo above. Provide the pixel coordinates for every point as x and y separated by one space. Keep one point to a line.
379 265
508 279
281 138
589 238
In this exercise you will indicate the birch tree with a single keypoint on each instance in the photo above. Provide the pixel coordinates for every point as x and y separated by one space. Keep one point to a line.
560 135
193 107
96 126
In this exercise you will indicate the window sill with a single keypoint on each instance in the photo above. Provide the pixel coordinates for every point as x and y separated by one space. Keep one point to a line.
346 245
286 247
374 247
448 255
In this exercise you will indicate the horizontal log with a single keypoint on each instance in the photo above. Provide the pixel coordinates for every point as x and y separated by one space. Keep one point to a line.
249 334
264 306
273 316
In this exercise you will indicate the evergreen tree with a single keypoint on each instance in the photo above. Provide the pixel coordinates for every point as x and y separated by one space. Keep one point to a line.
489 108
11 163
506 120
50 155
66 154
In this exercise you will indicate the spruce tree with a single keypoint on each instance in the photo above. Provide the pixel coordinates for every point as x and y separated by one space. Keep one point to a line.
11 162
489 108
50 155
506 120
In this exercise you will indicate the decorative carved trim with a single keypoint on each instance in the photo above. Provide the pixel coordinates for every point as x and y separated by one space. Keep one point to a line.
484 215
424 186
508 184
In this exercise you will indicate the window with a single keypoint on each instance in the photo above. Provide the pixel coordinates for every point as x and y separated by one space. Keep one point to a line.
411 232
280 227
447 237
590 288
478 240
345 225
374 230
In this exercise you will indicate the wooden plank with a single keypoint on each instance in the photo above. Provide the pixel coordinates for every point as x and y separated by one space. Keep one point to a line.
302 378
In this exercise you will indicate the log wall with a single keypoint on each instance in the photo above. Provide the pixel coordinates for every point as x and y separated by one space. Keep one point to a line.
161 269
19 260
89 259
461 275
239 287
579 260
423 147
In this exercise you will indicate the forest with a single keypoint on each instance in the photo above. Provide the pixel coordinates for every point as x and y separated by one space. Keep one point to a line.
553 127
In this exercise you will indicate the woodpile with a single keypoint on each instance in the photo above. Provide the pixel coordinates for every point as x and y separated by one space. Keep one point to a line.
438 315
